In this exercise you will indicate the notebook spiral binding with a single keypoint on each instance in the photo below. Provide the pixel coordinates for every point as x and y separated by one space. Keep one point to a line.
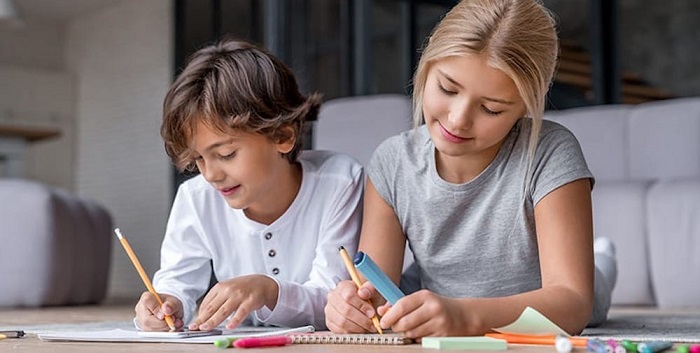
363 339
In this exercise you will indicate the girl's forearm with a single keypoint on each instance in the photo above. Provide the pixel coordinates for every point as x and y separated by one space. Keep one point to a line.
564 307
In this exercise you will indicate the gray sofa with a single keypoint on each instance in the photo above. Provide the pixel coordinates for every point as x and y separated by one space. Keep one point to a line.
55 247
646 160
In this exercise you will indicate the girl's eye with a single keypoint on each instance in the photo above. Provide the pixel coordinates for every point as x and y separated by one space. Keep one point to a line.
446 91
489 111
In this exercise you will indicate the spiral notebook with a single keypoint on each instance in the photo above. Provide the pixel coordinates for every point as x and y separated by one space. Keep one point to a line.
340 338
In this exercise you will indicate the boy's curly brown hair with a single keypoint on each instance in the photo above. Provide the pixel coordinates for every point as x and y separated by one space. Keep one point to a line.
235 85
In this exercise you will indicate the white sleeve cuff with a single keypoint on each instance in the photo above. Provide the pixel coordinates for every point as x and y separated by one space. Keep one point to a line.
264 314
136 325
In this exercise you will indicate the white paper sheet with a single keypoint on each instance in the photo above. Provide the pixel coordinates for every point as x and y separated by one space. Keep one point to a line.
121 335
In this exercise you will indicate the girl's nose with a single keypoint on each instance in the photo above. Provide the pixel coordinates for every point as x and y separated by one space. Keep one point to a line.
460 116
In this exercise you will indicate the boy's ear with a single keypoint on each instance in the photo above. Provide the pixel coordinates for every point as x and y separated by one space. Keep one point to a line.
287 140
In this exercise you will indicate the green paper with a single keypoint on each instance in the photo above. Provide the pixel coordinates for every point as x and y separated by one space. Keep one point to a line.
477 342
532 322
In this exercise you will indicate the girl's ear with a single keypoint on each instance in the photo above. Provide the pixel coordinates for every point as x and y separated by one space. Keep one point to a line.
287 140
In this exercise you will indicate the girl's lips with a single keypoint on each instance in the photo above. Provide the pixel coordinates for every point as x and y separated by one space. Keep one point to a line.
229 191
450 137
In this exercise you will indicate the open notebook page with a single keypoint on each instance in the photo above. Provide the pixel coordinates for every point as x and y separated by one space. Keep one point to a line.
121 335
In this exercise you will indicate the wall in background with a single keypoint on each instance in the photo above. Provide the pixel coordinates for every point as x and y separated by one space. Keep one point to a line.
36 90
662 40
33 45
37 97
121 58
100 78
658 39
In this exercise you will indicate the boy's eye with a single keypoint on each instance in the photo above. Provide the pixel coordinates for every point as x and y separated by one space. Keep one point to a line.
228 156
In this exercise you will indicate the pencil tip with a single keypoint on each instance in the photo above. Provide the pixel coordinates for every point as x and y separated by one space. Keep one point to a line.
341 248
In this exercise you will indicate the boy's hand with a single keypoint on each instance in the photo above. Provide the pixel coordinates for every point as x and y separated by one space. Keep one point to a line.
151 317
347 309
241 295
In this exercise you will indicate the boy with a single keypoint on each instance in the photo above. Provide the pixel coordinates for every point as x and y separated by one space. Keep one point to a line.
268 217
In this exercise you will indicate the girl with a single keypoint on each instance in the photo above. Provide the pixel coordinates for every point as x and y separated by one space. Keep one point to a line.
267 217
494 202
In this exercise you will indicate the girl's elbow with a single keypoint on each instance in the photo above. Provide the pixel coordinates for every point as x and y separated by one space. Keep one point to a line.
582 316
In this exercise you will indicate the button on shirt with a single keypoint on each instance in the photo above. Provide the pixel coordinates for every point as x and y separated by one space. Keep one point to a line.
299 250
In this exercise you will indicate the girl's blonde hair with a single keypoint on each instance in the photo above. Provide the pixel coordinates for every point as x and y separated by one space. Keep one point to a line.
517 37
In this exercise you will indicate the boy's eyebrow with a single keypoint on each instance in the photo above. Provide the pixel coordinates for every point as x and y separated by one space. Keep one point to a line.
219 144
492 99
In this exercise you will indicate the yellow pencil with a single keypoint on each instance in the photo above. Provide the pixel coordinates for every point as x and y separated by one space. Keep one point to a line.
142 273
356 278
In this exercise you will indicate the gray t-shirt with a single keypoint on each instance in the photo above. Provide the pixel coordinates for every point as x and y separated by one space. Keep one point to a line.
475 239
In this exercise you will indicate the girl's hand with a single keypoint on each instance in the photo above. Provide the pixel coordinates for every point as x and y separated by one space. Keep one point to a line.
424 313
347 309
241 295
151 317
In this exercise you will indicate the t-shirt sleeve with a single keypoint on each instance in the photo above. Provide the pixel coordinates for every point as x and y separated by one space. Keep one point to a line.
558 161
382 169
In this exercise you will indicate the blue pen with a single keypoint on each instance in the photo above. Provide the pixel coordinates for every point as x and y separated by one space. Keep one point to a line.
654 346
596 346
379 280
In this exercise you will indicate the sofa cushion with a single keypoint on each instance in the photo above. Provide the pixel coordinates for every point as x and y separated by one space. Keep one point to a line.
357 125
673 211
619 213
664 140
56 246
26 244
602 133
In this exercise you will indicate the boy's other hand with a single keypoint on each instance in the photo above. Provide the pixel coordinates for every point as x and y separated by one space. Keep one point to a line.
241 295
151 316
347 309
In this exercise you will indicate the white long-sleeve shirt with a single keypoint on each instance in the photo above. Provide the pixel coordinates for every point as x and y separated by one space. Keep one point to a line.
299 250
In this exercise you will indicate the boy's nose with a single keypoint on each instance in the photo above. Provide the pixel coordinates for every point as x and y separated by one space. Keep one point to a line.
211 174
